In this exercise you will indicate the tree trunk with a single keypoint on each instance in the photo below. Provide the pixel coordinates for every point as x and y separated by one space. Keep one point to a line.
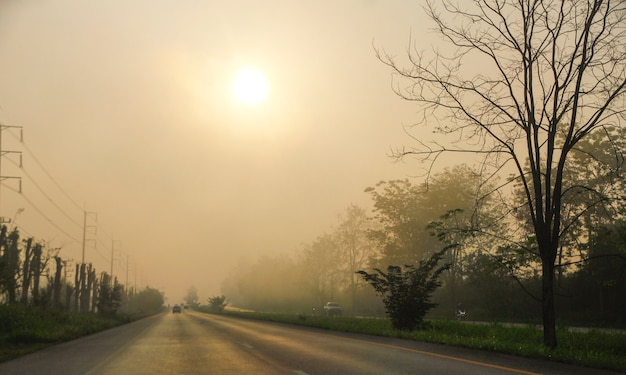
11 259
26 270
77 288
84 292
93 287
57 283
69 290
36 270
548 312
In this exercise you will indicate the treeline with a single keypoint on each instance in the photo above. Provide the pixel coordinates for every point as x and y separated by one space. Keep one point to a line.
495 266
32 274
323 270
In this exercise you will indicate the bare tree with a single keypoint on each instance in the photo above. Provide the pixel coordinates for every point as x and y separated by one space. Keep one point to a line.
523 83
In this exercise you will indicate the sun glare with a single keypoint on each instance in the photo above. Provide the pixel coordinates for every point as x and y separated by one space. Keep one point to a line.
250 86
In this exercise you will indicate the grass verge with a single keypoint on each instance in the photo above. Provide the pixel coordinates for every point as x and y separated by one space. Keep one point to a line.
593 348
24 330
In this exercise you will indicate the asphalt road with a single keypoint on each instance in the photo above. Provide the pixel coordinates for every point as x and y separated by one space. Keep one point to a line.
194 343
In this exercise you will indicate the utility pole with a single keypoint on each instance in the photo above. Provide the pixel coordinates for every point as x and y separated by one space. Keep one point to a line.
85 226
113 242
127 266
4 152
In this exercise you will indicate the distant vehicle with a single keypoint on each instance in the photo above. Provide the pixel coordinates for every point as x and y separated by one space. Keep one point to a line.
176 309
332 308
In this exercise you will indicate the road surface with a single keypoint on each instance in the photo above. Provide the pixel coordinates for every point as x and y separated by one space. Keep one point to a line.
195 343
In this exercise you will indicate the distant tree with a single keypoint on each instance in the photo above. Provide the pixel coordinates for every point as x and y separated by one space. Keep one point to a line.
400 233
9 263
109 295
500 283
355 246
191 298
595 199
449 207
144 301
459 212
602 277
524 82
320 269
269 284
406 291
217 303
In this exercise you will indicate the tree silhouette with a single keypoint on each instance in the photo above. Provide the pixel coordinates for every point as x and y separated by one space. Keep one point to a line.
523 83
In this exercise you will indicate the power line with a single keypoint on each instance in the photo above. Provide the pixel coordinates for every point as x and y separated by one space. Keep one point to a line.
56 183
4 152
34 206
31 153
32 180
28 150
38 210
52 201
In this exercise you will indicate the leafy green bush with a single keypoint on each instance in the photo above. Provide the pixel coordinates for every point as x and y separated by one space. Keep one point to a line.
217 303
407 291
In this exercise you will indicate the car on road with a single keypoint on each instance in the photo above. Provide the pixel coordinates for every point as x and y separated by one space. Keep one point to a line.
332 309
176 309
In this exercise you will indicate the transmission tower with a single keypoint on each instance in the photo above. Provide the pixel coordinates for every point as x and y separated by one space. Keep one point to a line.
2 154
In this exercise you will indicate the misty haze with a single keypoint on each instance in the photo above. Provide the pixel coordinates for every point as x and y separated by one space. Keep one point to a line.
175 173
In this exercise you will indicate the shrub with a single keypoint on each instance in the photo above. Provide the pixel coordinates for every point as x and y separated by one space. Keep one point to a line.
217 303
406 292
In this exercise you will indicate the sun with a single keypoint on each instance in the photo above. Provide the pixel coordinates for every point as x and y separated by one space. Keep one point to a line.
250 86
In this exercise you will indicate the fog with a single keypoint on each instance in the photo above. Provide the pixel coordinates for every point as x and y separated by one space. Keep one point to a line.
127 114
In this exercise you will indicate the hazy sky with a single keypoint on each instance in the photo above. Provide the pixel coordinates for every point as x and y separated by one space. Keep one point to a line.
128 107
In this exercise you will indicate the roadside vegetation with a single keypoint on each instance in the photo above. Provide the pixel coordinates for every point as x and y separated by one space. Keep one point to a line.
41 306
25 329
593 348
494 280
530 94
535 229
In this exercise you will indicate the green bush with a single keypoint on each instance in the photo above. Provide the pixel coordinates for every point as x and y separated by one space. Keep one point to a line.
407 292
218 303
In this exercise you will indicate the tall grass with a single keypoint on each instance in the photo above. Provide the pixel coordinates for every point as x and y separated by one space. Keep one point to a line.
26 329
